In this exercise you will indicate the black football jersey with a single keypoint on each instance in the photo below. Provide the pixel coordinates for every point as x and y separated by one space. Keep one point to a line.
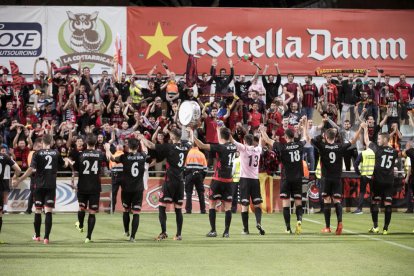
225 154
5 164
290 154
46 163
133 171
331 157
385 158
410 154
88 164
175 155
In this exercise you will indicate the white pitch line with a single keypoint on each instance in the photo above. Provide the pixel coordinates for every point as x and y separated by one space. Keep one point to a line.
368 237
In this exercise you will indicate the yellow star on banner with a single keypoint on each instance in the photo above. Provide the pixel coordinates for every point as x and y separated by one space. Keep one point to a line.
159 42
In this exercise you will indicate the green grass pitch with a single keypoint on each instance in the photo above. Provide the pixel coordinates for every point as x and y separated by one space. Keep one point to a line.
312 253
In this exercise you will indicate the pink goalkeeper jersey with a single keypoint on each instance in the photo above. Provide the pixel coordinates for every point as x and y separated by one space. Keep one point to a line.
249 160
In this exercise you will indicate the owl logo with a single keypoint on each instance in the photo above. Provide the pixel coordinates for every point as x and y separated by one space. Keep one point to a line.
84 37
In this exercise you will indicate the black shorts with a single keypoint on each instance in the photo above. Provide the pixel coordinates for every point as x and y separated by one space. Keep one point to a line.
44 197
332 187
172 192
132 200
6 185
89 201
382 191
291 188
221 191
250 190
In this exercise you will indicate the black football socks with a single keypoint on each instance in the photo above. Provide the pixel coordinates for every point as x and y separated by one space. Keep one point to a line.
163 218
212 218
327 213
258 214
286 216
299 212
179 220
338 210
81 218
227 221
126 219
245 220
374 214
91 225
388 213
48 224
134 225
37 223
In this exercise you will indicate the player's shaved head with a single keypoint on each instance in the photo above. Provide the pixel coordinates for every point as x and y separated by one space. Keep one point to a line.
91 140
330 134
225 133
249 139
176 133
47 139
133 144
290 134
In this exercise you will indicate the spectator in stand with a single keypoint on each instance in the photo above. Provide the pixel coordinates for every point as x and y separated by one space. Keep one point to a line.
309 149
404 96
21 148
393 110
347 98
310 97
271 87
328 93
293 88
204 83
223 81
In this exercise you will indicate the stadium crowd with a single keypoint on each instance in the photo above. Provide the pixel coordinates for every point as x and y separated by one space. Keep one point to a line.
69 104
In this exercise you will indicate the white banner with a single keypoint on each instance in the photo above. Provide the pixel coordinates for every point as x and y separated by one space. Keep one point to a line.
63 35
23 36
86 33
66 199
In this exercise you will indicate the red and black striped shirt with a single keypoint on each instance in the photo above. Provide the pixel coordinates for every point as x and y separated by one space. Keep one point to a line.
310 94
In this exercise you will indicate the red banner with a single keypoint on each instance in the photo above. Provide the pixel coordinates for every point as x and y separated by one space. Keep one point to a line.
300 40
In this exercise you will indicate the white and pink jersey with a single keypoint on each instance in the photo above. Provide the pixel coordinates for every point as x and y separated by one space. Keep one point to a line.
249 160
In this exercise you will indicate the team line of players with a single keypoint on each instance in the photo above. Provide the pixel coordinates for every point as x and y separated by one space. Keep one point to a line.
46 161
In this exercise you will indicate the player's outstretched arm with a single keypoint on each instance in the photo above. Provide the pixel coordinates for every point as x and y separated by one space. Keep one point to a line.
201 145
17 172
265 137
191 135
143 147
108 153
305 129
366 137
23 177
356 137
147 143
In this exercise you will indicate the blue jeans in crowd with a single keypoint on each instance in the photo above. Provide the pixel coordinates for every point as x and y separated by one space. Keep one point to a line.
309 156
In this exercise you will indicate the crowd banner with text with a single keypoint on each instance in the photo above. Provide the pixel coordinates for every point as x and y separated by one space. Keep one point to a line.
300 40
64 35
23 36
